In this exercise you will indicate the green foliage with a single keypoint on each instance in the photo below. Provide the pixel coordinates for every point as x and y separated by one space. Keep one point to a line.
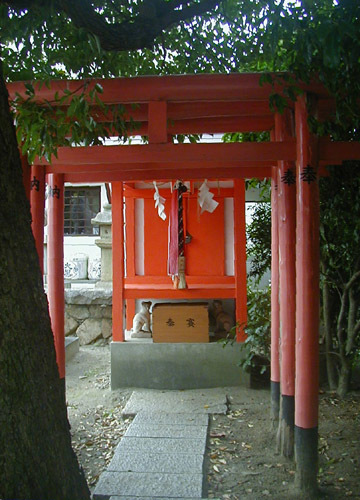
67 121
257 343
340 257
310 40
340 222
258 332
258 232
258 237
246 137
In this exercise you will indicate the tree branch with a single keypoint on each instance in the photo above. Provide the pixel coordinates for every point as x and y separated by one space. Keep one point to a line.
352 280
139 32
196 9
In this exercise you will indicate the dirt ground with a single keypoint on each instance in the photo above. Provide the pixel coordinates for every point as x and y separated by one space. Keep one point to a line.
241 457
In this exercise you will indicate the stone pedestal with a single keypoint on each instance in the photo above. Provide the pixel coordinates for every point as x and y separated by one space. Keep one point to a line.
104 221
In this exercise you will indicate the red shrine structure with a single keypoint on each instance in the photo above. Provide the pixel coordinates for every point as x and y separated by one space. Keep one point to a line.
293 159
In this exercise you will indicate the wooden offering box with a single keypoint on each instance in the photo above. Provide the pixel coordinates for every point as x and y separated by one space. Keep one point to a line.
180 322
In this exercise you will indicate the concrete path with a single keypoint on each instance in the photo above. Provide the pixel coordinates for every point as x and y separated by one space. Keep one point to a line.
162 454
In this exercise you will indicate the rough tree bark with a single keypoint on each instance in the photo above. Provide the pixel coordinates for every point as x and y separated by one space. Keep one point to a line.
36 458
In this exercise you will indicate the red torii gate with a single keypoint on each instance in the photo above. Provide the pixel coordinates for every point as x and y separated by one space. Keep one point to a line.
213 104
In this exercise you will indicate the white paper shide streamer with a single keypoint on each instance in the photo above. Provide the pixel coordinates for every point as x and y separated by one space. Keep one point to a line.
159 202
205 198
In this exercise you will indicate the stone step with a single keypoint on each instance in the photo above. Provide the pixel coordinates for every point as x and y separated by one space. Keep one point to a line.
158 498
161 456
154 484
177 402
123 461
146 417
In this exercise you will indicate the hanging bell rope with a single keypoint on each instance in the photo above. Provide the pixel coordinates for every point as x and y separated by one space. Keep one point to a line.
176 260
181 188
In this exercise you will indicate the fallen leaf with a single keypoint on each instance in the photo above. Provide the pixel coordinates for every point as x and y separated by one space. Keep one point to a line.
217 434
216 469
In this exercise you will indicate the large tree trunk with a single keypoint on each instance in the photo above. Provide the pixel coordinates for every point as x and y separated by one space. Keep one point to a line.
344 376
36 458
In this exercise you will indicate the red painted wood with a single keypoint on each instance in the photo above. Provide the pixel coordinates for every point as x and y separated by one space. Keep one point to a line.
194 281
55 256
118 261
174 153
37 206
205 254
130 312
218 109
130 236
214 173
196 111
287 237
240 258
221 125
130 192
155 239
169 171
171 293
234 86
157 122
307 277
275 306
330 152
209 126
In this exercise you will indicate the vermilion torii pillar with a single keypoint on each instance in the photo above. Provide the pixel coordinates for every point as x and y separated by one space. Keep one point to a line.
240 258
118 260
37 205
55 255
307 303
287 229
275 325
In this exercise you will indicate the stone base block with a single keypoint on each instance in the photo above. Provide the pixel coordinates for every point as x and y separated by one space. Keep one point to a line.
176 366
71 347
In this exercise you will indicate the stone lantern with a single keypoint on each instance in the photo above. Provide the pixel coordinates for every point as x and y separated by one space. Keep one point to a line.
104 220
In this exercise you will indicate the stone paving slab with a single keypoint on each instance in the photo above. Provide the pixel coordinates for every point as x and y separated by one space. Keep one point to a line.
134 485
166 431
191 401
123 461
158 498
163 445
200 419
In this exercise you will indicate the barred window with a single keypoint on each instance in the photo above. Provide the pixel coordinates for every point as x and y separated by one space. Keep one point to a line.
81 205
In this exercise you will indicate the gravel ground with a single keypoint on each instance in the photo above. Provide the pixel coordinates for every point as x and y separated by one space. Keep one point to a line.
94 411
